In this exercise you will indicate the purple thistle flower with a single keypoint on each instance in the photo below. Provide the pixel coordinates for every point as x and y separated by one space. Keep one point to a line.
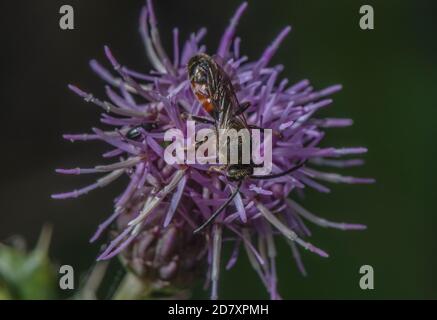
160 196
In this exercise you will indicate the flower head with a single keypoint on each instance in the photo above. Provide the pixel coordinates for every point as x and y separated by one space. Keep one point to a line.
163 203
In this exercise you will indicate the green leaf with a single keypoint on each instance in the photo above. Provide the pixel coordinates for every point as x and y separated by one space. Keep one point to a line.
26 275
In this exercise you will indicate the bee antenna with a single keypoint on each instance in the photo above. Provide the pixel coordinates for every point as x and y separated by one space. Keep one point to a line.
219 210
277 175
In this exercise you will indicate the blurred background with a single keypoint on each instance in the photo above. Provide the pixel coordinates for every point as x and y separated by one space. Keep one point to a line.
389 76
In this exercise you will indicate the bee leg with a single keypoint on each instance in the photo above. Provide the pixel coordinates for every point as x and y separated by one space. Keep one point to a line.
202 119
243 107
187 116
219 210
277 175
257 165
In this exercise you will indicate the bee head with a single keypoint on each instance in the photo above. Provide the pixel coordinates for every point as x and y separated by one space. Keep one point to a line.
199 68
237 172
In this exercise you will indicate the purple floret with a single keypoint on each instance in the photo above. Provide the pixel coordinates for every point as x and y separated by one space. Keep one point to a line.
186 195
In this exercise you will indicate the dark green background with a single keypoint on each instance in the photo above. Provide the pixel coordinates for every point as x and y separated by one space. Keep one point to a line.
389 76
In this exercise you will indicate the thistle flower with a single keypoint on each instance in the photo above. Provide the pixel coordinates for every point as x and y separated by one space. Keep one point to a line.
161 198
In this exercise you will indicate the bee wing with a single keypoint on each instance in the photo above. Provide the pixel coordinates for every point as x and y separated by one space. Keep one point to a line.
218 98
228 105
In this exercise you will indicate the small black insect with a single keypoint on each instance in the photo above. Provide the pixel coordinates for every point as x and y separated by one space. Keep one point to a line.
136 132
214 90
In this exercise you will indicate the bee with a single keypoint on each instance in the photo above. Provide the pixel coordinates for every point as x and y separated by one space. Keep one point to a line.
214 90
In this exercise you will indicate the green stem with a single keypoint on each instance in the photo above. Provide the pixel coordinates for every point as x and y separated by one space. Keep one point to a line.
92 284
132 288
